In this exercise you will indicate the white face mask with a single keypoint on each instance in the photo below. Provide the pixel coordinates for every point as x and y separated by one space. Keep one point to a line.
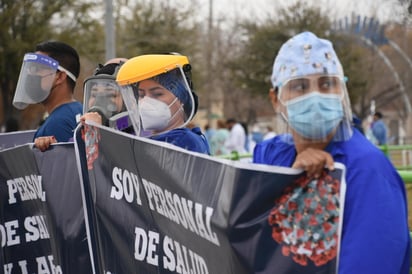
155 114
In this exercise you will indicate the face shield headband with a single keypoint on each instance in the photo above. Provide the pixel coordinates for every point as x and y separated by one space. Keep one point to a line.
36 79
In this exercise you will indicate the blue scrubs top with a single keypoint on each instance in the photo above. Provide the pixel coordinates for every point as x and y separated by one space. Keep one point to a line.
61 122
375 233
379 132
190 139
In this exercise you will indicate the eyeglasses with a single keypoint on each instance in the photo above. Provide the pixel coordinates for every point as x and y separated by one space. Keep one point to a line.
300 86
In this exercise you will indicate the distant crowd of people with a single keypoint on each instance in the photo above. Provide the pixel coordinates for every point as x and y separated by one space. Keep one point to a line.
232 135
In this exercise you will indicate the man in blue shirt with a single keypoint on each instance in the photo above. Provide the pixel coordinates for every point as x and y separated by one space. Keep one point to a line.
48 76
309 91
379 129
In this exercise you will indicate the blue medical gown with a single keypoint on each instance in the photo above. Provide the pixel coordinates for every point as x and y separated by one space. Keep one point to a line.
375 233
190 139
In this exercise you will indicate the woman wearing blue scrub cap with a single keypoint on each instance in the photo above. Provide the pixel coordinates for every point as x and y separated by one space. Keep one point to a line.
309 92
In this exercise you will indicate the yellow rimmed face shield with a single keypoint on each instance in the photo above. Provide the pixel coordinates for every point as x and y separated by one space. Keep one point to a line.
156 92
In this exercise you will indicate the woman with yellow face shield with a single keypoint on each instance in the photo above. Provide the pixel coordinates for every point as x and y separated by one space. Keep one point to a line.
157 91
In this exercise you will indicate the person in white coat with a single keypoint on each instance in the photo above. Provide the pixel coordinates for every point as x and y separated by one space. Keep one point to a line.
237 136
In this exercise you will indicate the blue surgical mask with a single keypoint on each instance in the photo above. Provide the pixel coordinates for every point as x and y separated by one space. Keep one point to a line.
315 115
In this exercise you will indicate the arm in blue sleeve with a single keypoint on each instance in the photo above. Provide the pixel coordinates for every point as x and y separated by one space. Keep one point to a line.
375 236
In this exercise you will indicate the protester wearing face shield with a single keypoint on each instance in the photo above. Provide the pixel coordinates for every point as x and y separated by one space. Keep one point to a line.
104 97
103 102
157 91
309 92
48 76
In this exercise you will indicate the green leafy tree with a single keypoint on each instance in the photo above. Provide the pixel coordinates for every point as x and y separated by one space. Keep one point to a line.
251 69
150 27
141 27
25 23
352 55
156 27
253 66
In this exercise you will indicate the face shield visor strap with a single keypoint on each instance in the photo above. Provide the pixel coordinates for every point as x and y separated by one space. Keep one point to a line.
35 80
71 75
122 122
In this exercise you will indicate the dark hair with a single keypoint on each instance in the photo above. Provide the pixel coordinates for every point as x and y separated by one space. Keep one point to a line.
109 69
187 70
67 57
378 114
244 125
12 124
231 121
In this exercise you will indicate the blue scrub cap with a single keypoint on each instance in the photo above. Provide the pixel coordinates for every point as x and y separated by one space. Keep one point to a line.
175 83
305 54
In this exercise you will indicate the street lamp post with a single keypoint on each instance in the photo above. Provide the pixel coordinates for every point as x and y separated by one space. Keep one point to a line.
109 30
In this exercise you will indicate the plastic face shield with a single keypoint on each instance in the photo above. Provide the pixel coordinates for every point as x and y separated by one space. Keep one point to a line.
316 108
102 95
293 88
159 103
35 80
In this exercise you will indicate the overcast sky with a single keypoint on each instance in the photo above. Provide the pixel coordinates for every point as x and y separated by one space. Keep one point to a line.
383 9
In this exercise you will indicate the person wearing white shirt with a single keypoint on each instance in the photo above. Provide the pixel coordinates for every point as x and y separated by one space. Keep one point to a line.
237 137
269 133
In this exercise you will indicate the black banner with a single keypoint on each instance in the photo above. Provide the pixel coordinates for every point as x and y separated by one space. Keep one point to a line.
16 138
42 228
156 208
